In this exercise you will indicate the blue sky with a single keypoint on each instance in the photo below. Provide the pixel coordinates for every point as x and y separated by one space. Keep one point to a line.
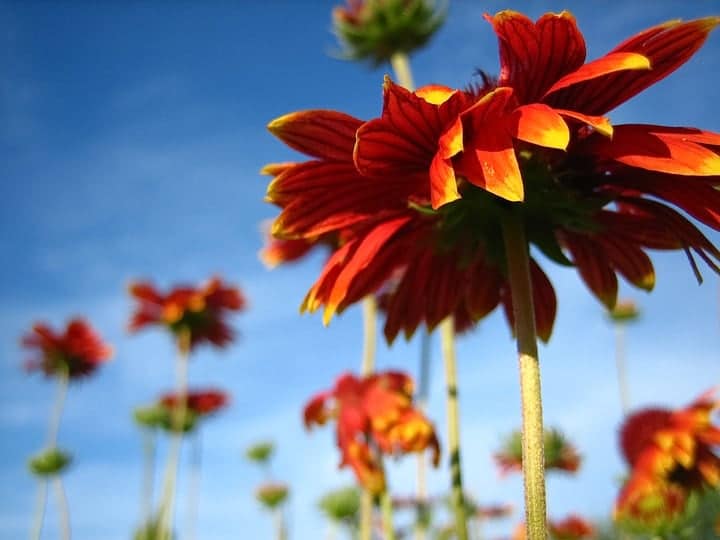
131 136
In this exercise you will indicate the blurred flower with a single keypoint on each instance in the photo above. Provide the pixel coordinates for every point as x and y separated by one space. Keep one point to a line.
198 311
341 505
50 462
420 194
200 402
374 414
495 511
272 495
624 311
560 454
260 452
375 30
671 456
571 528
75 353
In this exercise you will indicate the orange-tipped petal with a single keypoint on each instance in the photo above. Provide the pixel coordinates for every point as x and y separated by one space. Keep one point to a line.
539 124
592 263
319 133
435 94
631 261
611 63
601 124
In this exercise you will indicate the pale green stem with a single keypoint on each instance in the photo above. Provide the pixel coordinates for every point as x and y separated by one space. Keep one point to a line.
193 500
36 531
368 366
422 398
280 529
387 516
167 502
518 263
64 510
148 483
621 371
447 338
401 67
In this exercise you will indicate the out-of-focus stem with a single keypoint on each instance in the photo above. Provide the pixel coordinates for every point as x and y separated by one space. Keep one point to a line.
193 500
148 484
518 263
56 415
447 337
280 529
40 505
387 516
621 371
422 398
63 508
401 67
368 366
165 519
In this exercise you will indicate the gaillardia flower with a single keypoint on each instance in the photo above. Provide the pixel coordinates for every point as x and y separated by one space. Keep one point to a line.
421 193
374 415
560 454
671 456
375 30
76 352
198 311
199 404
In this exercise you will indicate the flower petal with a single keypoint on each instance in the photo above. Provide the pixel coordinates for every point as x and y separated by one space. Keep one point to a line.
319 133
539 124
594 267
535 55
601 124
628 259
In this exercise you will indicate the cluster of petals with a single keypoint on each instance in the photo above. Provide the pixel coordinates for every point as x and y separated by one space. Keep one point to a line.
671 455
198 311
415 199
199 402
374 415
75 352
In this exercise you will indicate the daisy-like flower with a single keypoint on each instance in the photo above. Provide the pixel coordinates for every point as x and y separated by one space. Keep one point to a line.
200 402
422 192
75 352
198 311
375 30
671 454
560 454
374 415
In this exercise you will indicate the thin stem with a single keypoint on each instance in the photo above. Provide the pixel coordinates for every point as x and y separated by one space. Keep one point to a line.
422 399
401 67
368 366
165 514
280 529
37 527
447 338
516 249
621 371
63 508
56 414
148 483
387 516
194 489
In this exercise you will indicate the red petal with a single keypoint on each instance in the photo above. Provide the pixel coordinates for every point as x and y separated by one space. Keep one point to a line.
483 294
601 124
594 267
539 124
667 46
534 56
319 133
610 63
628 259
660 149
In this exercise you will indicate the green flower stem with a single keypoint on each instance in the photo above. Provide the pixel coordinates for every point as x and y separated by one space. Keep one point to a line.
148 483
401 67
447 338
387 516
193 500
64 510
280 529
621 371
518 262
37 527
422 398
165 519
368 366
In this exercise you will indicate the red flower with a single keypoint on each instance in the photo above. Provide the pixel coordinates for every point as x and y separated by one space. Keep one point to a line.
571 528
420 193
76 353
671 455
374 415
201 402
198 311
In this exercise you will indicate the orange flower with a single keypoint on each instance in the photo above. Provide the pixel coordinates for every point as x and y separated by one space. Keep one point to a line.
560 454
76 353
374 415
671 455
571 528
198 311
420 193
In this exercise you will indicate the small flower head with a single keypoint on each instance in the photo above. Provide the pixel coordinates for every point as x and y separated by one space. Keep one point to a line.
560 454
374 415
272 494
199 312
76 352
624 311
571 528
671 455
375 30
342 505
261 452
50 462
199 404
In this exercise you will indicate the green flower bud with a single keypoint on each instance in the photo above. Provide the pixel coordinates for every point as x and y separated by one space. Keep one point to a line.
49 462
